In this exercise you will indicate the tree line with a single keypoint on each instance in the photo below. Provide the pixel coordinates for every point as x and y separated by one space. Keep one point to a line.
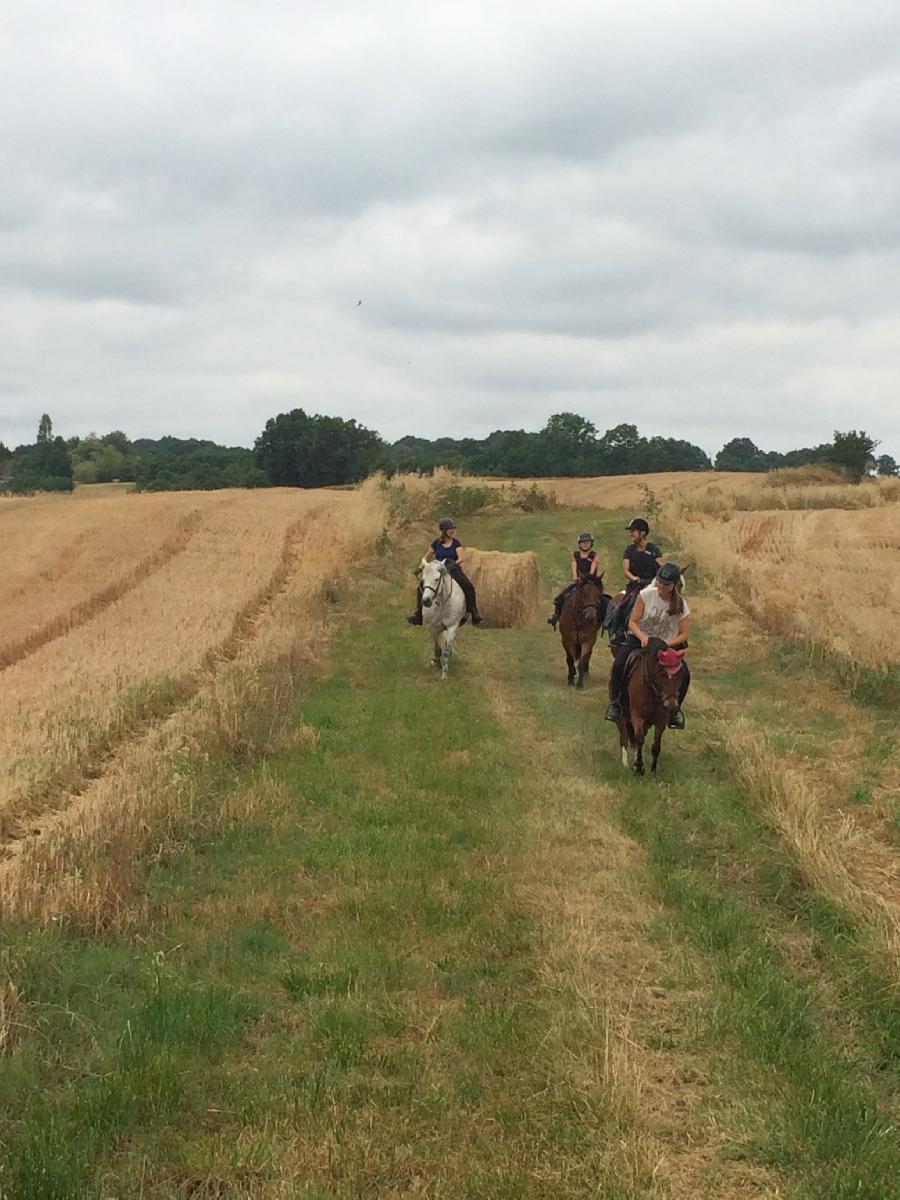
298 449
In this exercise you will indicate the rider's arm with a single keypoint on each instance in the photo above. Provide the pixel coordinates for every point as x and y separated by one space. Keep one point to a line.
460 555
595 567
626 566
636 614
684 629
574 566
429 554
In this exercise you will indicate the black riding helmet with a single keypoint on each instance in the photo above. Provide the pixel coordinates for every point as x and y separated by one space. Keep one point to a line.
669 573
585 537
638 523
446 523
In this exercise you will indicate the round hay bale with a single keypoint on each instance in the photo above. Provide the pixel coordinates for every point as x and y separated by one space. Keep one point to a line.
508 585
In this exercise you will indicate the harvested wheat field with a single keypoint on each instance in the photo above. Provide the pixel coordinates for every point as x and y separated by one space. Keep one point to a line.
123 615
830 576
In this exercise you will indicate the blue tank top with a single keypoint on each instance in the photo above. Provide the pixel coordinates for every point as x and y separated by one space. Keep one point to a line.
446 553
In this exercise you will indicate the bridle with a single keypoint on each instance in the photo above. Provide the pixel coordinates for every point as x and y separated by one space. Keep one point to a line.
586 608
648 679
437 591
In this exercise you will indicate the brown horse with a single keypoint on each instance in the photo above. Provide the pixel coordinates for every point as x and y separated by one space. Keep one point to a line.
653 678
579 624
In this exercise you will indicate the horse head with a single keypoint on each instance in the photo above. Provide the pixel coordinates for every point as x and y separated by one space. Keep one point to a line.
591 595
664 672
432 575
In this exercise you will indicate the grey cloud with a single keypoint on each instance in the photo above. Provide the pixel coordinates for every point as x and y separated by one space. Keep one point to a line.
535 206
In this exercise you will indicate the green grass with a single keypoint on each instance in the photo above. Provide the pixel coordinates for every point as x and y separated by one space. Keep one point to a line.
817 1036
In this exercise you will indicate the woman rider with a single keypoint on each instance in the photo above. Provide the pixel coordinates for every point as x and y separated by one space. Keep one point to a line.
585 564
640 562
642 559
660 611
448 548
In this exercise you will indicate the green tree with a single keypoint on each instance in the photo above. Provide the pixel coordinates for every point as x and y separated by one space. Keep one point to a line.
299 450
742 454
851 451
45 466
886 465
568 445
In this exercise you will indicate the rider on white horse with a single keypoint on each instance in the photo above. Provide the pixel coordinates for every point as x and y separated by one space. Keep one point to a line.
447 548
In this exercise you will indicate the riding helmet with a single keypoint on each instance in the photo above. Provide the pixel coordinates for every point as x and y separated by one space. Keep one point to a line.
669 573
638 523
446 523
585 537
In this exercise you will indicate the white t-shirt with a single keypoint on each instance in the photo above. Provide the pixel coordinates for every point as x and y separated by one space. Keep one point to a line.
656 621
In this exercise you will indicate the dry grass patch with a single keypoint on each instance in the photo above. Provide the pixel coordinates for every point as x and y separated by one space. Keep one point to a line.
822 851
832 577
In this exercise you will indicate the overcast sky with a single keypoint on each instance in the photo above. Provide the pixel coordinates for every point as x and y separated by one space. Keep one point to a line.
448 218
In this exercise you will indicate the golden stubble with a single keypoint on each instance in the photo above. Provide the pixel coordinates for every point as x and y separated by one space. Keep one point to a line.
830 576
197 657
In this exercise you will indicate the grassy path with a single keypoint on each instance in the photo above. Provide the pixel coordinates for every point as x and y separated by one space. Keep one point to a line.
438 947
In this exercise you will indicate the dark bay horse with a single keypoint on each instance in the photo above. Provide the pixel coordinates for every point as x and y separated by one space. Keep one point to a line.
579 624
652 684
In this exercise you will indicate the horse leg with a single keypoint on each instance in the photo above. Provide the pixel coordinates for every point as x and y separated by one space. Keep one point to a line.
448 650
586 657
639 735
570 666
584 663
657 742
436 654
624 741
579 663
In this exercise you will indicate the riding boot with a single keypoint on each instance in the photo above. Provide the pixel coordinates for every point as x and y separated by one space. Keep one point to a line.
469 592
676 721
558 602
416 617
617 683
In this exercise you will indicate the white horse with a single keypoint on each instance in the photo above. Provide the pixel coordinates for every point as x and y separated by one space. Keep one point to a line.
443 610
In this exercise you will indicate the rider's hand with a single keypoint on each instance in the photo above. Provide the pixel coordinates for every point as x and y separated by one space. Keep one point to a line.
645 641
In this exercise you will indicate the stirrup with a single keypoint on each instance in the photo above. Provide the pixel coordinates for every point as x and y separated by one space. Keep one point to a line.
614 712
676 721
414 618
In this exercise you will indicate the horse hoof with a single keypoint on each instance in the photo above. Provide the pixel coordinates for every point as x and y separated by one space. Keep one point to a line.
579 683
570 682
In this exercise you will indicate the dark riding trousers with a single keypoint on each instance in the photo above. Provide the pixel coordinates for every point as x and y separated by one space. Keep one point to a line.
617 680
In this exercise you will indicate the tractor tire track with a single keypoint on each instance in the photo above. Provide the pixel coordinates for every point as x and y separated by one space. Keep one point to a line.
146 709
94 605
